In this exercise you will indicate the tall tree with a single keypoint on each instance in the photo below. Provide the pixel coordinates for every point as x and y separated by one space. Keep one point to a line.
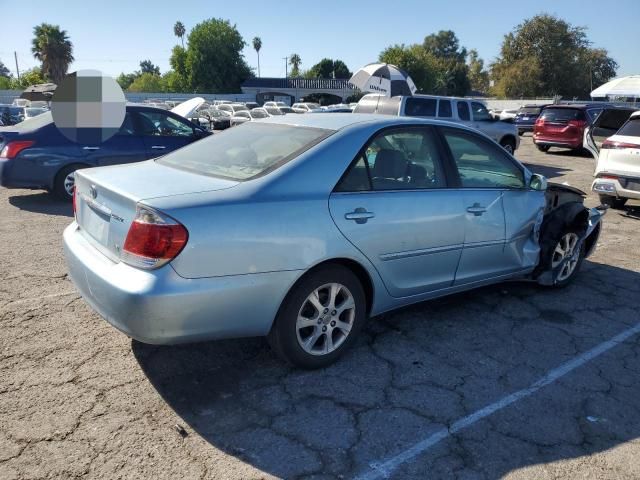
445 45
52 47
4 71
147 66
179 31
214 57
328 68
295 61
478 76
563 54
257 45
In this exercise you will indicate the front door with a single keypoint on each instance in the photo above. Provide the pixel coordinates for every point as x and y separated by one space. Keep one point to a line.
486 173
163 132
393 205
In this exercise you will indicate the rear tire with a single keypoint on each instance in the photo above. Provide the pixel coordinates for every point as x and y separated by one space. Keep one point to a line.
543 148
64 183
613 202
508 144
319 318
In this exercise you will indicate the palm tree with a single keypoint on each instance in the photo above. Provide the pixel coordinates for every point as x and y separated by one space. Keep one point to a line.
295 61
179 31
53 48
257 45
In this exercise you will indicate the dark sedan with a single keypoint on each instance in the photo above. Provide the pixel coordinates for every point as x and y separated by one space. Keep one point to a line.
526 117
34 154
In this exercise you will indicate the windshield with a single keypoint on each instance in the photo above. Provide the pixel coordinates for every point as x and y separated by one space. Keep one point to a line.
259 114
246 151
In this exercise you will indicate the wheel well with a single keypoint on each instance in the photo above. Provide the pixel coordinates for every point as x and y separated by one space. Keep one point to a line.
357 269
510 138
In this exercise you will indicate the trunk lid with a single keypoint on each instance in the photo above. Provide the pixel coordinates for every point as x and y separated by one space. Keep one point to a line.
106 198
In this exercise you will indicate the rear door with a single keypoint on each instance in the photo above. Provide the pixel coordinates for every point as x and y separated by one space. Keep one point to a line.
163 132
126 146
393 205
603 127
486 174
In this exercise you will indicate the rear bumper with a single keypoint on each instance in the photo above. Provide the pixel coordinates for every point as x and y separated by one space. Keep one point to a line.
556 142
160 307
615 187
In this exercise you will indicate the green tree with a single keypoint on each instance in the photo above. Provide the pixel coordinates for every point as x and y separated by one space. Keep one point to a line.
563 54
445 45
518 79
257 45
179 31
4 71
328 68
147 82
417 62
295 61
214 57
478 76
52 47
174 82
29 77
147 66
126 79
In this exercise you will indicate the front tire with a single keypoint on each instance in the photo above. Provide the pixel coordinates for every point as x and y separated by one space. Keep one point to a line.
543 148
613 202
320 318
563 256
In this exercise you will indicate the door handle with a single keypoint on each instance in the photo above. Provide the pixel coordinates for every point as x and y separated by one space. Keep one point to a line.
476 209
158 147
360 215
91 148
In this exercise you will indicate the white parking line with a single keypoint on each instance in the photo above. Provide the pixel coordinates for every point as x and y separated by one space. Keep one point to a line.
384 468
32 299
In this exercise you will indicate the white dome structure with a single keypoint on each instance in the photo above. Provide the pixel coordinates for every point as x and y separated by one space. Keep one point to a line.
628 87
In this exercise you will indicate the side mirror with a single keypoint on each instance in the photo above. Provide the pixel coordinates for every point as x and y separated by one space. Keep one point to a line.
538 182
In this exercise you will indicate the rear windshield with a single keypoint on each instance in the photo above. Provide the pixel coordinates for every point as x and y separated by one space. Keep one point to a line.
34 123
562 114
246 151
529 110
631 128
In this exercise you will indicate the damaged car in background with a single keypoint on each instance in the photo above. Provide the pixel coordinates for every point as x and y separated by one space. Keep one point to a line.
299 228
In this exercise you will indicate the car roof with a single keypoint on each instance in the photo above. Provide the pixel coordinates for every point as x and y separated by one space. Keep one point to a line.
338 121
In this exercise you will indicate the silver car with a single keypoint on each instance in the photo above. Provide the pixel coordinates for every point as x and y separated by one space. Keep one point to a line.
301 227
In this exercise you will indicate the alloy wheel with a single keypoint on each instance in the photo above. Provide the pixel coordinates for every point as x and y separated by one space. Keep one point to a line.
566 252
69 183
325 319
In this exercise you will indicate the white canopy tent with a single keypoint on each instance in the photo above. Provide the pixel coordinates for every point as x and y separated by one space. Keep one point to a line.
623 87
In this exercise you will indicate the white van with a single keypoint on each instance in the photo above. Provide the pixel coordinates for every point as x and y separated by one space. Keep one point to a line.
453 109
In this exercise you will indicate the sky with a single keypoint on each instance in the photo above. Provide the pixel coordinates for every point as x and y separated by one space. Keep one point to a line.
114 36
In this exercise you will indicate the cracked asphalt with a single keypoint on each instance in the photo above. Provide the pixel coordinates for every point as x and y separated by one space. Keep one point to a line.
79 399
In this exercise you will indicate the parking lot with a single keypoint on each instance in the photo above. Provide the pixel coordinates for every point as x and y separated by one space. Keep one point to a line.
443 389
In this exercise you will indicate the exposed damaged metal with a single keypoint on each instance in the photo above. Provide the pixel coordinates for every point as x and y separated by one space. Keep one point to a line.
564 214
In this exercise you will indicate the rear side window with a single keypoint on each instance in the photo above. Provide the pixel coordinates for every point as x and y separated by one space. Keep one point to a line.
631 128
246 151
444 109
463 111
420 107
562 114
402 159
482 164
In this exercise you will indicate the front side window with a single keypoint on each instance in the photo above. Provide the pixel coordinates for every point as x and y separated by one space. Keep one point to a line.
405 159
480 112
463 111
481 164
247 152
159 124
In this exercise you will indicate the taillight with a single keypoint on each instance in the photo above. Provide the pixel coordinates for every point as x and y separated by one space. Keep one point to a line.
539 121
610 144
12 149
577 123
154 239
608 176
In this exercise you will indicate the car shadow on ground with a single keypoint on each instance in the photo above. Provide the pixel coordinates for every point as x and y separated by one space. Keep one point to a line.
416 371
548 171
564 152
42 202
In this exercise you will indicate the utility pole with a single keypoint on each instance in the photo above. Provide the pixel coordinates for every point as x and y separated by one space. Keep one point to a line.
286 63
15 55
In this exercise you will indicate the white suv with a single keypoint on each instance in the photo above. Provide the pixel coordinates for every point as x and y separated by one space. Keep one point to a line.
453 109
618 168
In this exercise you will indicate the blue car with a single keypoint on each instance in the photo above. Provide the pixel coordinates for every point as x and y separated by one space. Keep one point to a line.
526 118
299 227
34 154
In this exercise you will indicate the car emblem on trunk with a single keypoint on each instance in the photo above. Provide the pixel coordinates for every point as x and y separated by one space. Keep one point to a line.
93 192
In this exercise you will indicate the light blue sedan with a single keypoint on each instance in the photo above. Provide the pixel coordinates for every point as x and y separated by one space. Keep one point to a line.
301 227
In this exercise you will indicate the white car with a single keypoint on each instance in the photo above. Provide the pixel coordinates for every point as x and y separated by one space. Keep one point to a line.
274 104
233 108
244 116
617 175
304 107
508 115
